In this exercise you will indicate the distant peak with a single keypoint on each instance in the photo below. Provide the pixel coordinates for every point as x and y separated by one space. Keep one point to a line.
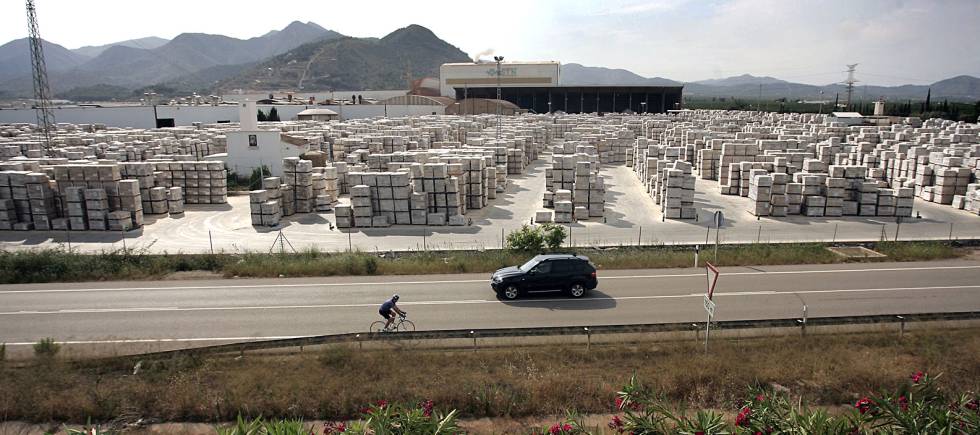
412 29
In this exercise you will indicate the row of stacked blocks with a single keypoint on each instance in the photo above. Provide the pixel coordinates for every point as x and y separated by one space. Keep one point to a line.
667 179
574 188
425 194
844 191
32 201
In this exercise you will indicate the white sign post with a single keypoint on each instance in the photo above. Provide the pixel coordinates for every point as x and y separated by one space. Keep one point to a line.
711 273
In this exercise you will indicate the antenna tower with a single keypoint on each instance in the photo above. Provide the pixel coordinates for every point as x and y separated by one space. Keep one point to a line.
850 83
42 93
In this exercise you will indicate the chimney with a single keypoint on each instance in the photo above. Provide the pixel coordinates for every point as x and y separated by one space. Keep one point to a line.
247 116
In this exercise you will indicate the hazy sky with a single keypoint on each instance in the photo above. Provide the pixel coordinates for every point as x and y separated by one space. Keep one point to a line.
894 41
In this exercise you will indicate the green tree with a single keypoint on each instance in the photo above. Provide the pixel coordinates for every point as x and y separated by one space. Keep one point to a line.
928 101
273 115
261 116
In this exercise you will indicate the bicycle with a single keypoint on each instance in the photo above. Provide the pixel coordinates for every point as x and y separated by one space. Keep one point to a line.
401 324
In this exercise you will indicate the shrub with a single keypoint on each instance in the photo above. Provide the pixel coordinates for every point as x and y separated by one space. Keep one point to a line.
554 235
46 348
527 238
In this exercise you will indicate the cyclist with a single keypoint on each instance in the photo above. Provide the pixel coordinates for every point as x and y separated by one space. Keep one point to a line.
386 311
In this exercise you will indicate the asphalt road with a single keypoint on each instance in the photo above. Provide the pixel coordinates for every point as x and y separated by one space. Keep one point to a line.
167 314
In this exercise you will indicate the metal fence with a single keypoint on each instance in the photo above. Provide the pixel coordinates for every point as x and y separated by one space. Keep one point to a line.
802 323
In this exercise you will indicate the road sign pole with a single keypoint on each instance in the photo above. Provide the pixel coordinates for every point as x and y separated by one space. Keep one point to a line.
707 330
709 305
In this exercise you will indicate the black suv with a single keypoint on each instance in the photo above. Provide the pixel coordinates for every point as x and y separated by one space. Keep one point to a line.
574 274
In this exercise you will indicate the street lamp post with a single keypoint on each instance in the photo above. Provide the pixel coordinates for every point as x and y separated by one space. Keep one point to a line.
498 59
644 104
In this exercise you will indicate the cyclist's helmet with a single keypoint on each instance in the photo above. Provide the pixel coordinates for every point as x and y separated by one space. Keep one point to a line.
394 298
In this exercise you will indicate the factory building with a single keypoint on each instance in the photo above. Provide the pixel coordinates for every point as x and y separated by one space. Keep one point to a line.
537 87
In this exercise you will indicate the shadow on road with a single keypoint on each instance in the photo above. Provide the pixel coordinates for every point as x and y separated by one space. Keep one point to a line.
595 300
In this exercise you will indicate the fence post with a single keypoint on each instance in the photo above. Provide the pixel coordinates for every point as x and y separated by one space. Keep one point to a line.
639 237
588 343
803 328
758 237
360 343
350 243
68 235
950 231
834 240
211 242
473 334
501 238
901 326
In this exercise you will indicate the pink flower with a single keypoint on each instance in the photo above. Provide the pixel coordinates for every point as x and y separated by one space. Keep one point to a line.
555 429
619 403
617 424
863 405
427 408
329 428
973 405
566 427
744 417
381 403
760 398
917 376
903 403
699 433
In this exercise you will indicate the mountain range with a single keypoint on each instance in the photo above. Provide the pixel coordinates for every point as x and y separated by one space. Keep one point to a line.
959 88
142 62
306 56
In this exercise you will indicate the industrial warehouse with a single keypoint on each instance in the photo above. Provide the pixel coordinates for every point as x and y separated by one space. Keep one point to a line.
537 88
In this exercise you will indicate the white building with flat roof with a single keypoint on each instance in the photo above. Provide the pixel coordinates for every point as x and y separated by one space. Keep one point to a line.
483 74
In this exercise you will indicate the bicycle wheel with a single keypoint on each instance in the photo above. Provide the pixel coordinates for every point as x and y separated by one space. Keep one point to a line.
406 326
377 327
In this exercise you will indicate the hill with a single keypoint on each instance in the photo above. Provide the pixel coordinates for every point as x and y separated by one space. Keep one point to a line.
148 43
573 74
15 58
352 63
744 79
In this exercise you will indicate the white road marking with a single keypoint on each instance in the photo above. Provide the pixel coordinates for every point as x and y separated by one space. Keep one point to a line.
477 301
467 281
165 340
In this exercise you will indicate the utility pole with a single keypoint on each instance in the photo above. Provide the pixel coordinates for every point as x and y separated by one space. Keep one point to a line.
498 59
42 92
850 83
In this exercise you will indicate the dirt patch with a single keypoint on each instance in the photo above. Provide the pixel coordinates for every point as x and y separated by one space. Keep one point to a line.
193 274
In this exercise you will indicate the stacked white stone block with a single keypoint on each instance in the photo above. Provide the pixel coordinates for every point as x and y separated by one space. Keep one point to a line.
760 193
298 174
175 200
677 191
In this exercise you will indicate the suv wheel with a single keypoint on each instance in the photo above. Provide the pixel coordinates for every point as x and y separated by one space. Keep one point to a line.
577 290
510 292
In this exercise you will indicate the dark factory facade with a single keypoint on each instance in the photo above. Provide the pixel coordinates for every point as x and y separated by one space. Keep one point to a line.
584 99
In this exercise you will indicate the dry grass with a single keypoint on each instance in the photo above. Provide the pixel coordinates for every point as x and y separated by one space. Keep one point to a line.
59 266
518 382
